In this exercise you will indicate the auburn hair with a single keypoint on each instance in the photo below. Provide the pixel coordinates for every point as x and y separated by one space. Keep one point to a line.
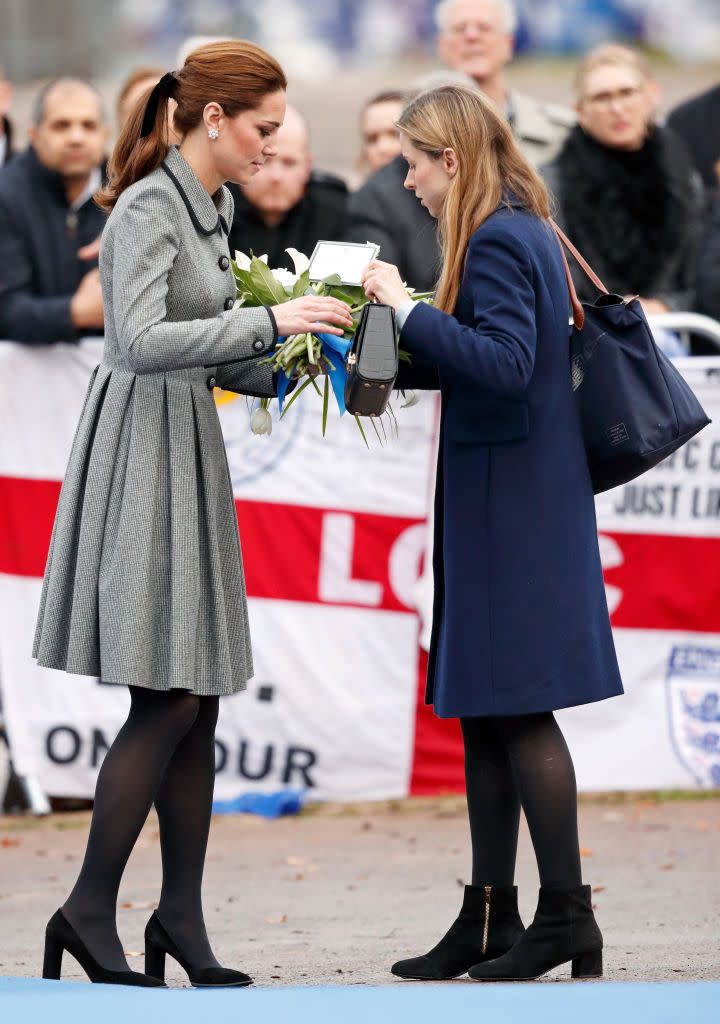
490 166
234 73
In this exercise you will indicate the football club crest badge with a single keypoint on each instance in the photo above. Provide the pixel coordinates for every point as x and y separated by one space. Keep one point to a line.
693 692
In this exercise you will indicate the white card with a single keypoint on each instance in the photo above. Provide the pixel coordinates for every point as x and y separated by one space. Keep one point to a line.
347 259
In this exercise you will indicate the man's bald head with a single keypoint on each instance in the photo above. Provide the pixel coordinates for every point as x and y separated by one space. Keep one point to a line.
63 91
69 133
280 185
295 130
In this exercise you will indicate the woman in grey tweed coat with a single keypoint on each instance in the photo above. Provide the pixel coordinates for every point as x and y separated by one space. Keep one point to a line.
144 583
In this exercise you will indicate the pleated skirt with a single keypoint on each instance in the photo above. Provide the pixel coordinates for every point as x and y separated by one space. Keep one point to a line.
144 582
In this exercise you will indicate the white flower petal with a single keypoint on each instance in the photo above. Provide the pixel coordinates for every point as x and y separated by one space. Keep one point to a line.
411 398
263 259
242 260
285 277
300 260
261 422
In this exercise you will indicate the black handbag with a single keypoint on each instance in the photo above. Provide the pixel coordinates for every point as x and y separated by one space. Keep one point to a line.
372 362
635 407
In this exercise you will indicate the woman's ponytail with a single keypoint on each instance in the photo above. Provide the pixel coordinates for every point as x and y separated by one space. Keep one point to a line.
142 145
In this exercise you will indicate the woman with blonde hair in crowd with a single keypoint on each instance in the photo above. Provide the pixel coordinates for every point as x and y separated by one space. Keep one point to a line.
144 583
625 188
520 621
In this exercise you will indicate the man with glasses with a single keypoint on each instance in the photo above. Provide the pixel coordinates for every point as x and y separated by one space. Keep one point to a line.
477 37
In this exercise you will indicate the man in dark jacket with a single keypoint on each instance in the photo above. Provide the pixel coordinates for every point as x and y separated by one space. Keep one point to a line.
6 91
697 122
709 268
48 292
383 211
287 204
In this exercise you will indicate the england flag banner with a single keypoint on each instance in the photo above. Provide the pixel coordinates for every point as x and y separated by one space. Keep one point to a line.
334 538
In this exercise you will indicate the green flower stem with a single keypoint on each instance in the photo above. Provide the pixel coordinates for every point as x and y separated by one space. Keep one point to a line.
296 394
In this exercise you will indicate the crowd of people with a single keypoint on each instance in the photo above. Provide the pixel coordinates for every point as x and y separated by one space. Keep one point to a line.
639 198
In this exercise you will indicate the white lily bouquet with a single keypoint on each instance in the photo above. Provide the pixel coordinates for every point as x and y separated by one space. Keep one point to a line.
306 357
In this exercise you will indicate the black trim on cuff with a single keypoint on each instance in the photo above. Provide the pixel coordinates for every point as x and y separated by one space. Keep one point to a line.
273 321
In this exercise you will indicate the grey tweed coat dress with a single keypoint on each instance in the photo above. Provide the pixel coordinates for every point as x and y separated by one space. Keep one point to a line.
144 582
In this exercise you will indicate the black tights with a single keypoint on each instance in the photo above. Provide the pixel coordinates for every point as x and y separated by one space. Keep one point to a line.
164 754
517 761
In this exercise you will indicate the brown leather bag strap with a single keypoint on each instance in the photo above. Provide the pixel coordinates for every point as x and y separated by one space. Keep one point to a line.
577 308
578 311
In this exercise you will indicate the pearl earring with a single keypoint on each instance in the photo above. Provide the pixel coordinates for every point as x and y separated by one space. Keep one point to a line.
213 133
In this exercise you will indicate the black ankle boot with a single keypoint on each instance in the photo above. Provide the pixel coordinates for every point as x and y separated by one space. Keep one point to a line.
158 943
61 936
564 929
487 926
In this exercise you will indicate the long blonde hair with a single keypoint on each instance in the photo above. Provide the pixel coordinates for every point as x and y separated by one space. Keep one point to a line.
490 166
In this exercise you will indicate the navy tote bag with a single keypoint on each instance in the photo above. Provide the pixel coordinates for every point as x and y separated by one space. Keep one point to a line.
635 407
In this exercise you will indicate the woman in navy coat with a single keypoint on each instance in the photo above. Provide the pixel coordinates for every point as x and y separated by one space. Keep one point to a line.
520 622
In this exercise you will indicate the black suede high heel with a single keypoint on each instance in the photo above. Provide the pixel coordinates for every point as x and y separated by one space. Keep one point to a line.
60 936
158 943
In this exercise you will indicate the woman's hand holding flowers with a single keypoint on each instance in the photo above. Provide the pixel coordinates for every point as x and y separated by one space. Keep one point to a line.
312 314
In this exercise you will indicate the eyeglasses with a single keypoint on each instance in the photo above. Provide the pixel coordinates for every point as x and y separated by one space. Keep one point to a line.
461 28
604 100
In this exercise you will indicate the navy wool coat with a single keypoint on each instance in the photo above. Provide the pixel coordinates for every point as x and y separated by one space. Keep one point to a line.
520 620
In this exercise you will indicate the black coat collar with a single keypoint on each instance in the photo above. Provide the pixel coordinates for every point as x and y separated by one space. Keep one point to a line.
207 217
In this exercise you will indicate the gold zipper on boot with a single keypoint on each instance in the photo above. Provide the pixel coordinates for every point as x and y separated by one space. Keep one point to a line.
486 926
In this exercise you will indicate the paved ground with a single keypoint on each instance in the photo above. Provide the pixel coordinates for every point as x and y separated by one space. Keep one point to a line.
333 896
